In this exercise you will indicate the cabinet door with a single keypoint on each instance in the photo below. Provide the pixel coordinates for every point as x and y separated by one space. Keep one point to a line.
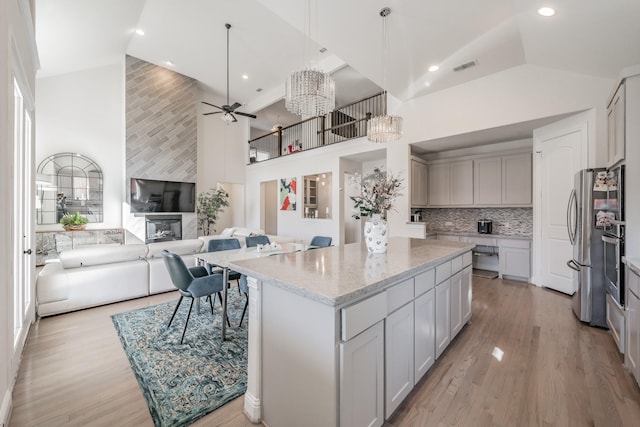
516 179
467 293
456 304
438 184
632 352
418 184
487 182
425 333
399 337
443 320
461 183
616 127
514 262
362 378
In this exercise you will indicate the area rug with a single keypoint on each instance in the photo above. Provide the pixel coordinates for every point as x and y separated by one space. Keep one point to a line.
182 383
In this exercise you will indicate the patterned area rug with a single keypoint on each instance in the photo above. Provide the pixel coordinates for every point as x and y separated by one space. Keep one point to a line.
182 383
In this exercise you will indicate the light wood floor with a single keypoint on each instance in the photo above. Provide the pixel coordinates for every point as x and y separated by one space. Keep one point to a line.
554 371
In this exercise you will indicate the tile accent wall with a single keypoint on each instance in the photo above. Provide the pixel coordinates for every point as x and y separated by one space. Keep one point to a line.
520 220
161 130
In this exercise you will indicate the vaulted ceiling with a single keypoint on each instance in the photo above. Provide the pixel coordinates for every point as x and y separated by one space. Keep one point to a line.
267 39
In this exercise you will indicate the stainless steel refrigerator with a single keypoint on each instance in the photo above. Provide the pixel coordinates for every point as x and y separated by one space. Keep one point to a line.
586 219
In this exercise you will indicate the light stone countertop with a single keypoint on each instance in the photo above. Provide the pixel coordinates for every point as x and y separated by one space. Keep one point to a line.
488 236
338 275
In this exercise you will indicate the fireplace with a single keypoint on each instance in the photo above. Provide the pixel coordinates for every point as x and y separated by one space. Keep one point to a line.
162 228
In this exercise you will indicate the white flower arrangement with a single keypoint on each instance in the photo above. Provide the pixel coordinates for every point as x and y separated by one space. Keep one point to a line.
378 191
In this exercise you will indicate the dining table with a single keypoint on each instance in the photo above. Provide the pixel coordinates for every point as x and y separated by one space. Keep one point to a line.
222 259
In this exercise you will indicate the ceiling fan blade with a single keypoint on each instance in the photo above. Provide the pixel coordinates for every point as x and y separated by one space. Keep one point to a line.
235 105
212 105
245 114
215 112
234 118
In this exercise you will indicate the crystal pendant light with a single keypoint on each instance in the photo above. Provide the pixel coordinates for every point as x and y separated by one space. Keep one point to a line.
384 128
310 92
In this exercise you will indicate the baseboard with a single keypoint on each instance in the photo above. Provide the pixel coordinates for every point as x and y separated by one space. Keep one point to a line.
252 408
5 409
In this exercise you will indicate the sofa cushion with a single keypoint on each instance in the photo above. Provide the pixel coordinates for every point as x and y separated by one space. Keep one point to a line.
246 232
101 254
180 247
227 232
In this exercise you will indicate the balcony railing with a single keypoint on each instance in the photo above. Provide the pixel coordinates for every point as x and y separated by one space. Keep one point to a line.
344 123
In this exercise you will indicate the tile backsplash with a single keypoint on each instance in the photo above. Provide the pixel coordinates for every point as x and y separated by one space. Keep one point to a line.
508 221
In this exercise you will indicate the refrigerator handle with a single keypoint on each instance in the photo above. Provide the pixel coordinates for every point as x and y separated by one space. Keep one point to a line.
572 221
572 265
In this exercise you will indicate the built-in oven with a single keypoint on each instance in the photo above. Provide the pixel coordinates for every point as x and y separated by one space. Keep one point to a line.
613 273
613 234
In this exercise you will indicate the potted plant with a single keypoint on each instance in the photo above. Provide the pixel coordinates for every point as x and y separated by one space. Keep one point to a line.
72 222
378 191
210 204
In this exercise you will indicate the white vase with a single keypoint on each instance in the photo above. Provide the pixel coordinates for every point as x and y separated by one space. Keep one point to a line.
375 235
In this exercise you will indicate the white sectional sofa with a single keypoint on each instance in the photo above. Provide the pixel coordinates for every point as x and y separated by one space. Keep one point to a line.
102 274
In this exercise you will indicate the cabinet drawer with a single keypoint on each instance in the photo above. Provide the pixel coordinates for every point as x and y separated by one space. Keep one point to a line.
483 241
360 316
425 281
512 243
456 264
467 259
398 295
443 272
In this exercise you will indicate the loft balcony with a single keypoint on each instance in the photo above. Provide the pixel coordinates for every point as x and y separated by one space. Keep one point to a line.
342 124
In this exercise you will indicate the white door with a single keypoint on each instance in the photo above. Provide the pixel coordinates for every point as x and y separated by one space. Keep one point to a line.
352 226
269 220
22 221
561 150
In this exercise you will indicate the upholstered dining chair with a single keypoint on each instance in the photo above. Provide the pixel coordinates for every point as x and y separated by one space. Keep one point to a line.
216 245
320 241
257 240
245 289
193 282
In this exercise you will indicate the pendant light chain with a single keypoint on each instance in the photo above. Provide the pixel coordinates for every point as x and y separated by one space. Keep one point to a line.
384 128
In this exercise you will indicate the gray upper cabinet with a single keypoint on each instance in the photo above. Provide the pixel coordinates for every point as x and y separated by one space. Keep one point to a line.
487 182
418 184
501 180
438 184
616 127
450 183
516 180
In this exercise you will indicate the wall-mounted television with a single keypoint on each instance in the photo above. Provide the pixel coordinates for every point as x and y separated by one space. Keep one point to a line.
149 195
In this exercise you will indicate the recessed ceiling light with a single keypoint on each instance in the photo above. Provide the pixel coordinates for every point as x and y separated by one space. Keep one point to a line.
140 32
169 63
427 84
434 68
244 76
546 11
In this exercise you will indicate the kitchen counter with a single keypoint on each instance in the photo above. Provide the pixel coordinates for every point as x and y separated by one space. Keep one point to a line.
338 275
489 236
319 321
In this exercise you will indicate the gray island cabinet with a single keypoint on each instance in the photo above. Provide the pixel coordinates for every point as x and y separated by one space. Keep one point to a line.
339 337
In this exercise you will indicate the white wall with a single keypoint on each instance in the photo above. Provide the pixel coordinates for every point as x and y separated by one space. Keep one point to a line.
84 112
520 94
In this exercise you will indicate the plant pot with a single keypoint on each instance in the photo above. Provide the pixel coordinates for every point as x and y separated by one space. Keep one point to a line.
375 235
75 227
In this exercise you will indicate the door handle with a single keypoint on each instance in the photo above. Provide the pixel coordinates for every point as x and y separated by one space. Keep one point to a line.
572 265
28 252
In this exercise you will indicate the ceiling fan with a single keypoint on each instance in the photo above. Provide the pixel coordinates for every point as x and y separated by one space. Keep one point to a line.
227 110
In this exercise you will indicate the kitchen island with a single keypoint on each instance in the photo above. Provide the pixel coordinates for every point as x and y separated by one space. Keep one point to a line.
338 336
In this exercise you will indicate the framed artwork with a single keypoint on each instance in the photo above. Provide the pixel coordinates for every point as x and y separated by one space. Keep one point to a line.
287 194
